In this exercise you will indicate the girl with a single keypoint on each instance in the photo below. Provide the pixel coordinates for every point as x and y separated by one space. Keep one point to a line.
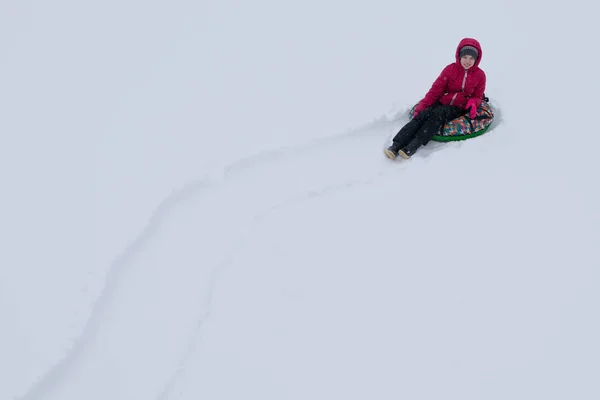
459 88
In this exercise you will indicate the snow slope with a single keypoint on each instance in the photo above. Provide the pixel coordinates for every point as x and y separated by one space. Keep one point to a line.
197 204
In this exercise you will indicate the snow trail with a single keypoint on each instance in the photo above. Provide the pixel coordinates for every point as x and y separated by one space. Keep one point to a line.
145 322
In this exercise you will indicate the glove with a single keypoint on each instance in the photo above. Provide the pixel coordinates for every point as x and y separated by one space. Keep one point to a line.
418 109
472 108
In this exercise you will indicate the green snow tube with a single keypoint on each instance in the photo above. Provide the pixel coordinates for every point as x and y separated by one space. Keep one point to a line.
463 127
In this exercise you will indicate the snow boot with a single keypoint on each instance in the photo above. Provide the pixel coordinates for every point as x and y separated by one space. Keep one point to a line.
405 153
392 151
410 149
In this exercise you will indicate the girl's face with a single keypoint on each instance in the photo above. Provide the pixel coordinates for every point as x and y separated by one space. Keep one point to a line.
467 61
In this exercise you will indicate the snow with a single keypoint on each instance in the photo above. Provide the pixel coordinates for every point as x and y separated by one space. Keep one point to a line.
196 203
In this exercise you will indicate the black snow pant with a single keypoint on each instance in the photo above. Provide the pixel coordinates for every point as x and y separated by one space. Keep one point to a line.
424 126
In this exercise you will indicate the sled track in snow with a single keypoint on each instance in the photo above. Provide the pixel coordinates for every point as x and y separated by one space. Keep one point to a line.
57 373
231 255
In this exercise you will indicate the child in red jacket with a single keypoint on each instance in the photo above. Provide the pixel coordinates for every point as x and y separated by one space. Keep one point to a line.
458 89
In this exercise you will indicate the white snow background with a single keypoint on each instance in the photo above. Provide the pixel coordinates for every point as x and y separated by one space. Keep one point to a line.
195 203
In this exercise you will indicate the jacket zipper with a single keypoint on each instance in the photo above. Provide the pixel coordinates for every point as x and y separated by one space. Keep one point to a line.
462 89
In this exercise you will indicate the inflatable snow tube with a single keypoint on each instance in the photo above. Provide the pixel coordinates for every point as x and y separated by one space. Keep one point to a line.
463 127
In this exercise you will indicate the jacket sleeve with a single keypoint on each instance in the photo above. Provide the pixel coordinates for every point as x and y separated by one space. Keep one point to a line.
479 90
437 90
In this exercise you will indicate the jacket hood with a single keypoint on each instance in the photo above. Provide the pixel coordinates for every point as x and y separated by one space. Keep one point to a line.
469 42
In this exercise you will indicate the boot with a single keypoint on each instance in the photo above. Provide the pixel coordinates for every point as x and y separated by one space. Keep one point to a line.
405 153
392 151
411 148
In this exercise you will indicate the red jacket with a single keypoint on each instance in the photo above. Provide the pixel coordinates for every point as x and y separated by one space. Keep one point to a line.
455 85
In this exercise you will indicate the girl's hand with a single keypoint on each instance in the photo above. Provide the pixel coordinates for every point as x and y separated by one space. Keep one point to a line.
418 109
472 108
